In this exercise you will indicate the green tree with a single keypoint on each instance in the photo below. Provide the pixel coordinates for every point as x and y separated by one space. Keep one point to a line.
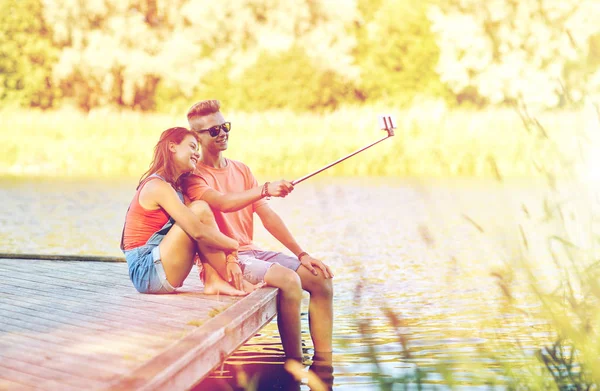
290 80
144 53
397 52
532 50
295 55
26 55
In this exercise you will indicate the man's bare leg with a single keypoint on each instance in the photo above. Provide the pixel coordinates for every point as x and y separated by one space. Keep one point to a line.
288 306
320 308
322 366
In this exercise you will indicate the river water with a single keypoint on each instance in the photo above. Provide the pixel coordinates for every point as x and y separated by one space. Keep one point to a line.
427 251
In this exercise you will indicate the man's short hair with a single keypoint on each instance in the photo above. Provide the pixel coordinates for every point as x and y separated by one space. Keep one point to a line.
203 108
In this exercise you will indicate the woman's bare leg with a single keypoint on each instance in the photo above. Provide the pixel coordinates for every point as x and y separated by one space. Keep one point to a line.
178 249
214 284
211 256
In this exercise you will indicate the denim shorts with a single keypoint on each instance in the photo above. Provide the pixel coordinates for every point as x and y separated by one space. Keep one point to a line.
146 270
255 263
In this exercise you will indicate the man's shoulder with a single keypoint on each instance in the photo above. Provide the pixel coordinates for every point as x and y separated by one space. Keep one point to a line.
238 164
194 178
239 167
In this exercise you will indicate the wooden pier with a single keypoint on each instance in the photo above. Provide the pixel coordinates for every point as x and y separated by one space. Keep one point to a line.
73 325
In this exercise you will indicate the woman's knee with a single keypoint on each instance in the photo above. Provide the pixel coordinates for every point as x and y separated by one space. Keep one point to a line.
201 209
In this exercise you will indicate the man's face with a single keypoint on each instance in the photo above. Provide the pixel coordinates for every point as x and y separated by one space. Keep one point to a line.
202 124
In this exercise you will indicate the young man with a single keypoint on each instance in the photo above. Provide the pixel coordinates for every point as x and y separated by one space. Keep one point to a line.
234 195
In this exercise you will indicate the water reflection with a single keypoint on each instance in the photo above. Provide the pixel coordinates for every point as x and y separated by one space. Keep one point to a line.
264 372
261 364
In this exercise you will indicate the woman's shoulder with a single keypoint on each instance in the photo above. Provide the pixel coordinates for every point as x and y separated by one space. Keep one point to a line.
155 184
152 190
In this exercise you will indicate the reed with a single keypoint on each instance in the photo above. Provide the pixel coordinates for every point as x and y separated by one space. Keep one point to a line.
430 142
549 278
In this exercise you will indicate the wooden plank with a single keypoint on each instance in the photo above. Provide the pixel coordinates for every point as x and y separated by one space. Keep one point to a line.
73 334
195 356
9 385
108 328
70 318
96 315
20 380
19 272
17 344
83 272
192 283
82 342
90 349
159 314
11 325
59 257
166 301
84 311
121 308
79 287
46 378
61 360
11 310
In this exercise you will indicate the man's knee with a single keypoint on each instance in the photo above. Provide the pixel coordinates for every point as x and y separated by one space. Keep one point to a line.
201 209
322 287
286 280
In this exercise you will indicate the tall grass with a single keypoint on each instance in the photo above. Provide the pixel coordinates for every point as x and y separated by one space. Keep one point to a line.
429 142
550 278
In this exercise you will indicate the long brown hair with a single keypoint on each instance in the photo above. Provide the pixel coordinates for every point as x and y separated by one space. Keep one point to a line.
163 158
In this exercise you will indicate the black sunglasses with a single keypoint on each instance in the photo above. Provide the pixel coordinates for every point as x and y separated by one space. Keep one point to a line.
216 130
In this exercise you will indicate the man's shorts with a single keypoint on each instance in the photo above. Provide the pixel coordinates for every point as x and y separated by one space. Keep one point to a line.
255 263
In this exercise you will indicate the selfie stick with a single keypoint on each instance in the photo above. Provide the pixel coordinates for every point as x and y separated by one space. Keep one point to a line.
386 122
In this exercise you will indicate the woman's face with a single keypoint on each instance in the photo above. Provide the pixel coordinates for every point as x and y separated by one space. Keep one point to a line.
185 154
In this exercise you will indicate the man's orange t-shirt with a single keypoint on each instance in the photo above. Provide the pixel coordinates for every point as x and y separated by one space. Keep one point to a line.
234 177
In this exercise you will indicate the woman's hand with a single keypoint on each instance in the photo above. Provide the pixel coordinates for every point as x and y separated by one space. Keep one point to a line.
234 271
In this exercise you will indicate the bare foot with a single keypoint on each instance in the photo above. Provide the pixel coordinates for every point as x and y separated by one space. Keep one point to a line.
249 287
216 286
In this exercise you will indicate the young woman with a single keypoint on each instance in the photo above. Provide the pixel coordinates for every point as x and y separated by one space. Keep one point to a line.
162 235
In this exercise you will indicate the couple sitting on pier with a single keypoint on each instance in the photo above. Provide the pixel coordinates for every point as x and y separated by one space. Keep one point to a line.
199 206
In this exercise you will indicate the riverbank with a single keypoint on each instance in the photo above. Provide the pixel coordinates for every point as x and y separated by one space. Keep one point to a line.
430 142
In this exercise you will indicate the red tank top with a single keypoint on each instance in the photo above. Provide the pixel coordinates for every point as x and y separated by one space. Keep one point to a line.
141 223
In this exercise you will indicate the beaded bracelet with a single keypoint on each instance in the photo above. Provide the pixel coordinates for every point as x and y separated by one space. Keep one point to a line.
303 253
265 191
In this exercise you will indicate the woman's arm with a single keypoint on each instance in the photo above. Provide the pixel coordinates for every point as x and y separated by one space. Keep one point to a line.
231 202
160 194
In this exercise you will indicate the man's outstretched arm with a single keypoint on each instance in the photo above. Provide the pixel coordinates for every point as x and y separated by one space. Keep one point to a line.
276 227
233 201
